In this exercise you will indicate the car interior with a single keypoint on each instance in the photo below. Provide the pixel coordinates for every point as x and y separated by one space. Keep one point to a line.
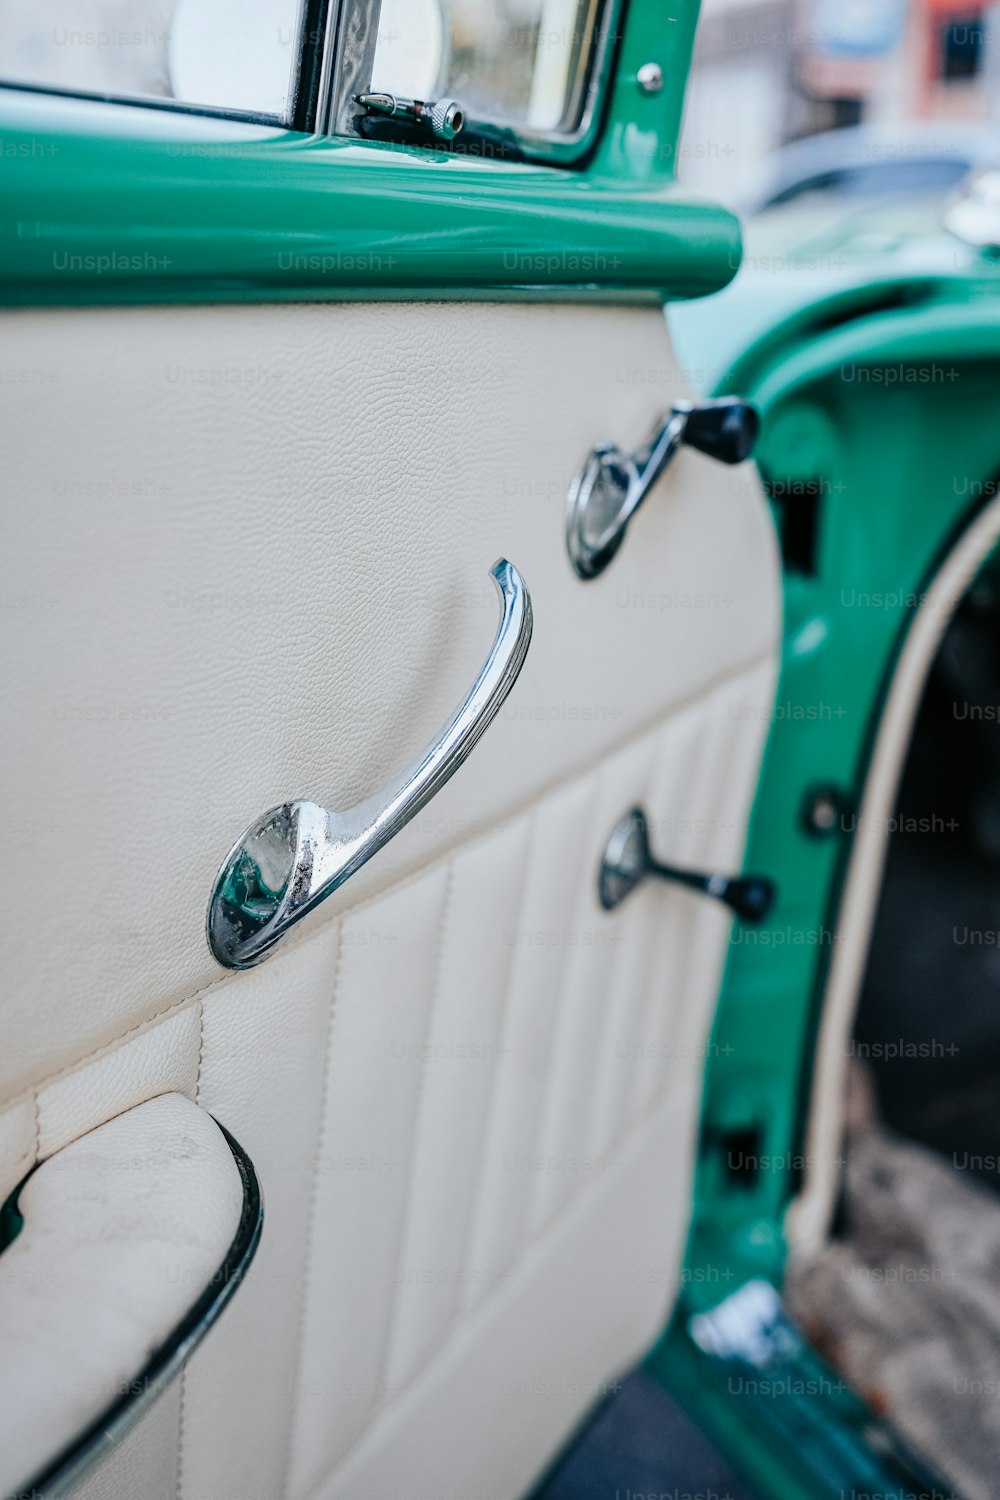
501 941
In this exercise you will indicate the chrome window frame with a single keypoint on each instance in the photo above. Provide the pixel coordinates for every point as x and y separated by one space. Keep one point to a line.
335 62
350 59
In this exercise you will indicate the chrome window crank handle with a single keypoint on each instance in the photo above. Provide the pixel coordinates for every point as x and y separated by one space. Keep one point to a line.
628 861
612 484
296 855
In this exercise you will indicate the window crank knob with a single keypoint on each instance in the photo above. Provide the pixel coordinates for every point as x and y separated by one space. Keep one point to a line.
725 429
447 119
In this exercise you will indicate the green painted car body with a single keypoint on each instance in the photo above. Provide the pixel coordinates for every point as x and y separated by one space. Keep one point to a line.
875 373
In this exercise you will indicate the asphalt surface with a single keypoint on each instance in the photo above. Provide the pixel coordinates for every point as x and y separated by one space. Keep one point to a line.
642 1445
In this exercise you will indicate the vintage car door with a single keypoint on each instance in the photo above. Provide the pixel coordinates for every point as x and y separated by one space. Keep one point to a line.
283 377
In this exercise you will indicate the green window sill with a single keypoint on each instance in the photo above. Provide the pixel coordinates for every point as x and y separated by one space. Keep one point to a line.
104 203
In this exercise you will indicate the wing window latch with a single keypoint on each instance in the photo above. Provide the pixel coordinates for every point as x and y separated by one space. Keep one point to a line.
444 118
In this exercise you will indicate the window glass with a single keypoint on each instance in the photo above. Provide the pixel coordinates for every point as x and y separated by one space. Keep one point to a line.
517 62
231 54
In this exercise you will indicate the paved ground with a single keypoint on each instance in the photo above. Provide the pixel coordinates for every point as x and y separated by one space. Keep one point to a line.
643 1446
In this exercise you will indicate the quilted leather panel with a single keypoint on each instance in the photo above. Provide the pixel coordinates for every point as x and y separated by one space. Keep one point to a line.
379 1019
548 927
525 1050
459 1059
493 965
519 1375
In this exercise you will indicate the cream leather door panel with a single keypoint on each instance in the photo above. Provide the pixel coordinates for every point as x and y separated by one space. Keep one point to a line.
469 1094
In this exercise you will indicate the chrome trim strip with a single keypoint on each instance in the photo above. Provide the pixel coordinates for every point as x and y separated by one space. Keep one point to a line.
348 56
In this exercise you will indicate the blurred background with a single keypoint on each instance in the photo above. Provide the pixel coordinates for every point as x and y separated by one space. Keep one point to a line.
911 85
922 76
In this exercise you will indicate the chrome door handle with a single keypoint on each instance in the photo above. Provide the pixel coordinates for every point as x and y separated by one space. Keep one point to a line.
628 861
612 484
296 855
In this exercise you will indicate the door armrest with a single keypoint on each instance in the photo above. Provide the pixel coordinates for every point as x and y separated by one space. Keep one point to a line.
127 1245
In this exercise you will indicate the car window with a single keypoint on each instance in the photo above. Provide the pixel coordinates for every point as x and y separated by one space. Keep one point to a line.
236 55
534 68
532 65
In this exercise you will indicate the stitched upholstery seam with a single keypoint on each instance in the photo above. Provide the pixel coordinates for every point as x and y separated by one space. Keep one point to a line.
478 1204
182 1395
201 1051
435 987
562 1003
663 961
632 1128
602 1086
544 1231
648 729
307 1269
175 1007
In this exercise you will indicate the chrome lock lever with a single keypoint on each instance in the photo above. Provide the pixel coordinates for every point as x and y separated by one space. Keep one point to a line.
445 118
296 855
628 861
612 484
